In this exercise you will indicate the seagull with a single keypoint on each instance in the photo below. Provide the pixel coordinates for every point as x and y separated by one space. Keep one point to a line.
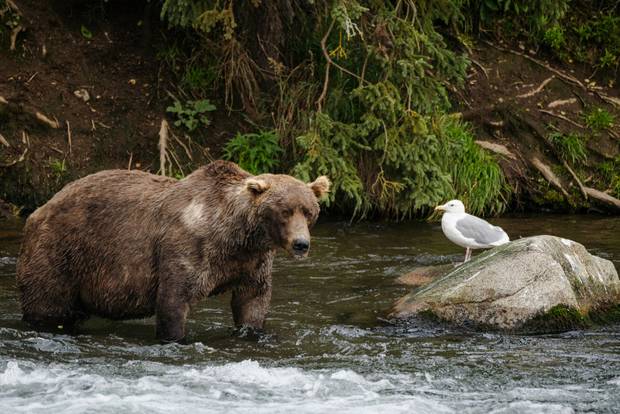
469 231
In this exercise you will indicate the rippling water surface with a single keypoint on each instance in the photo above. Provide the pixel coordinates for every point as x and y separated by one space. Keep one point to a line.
327 346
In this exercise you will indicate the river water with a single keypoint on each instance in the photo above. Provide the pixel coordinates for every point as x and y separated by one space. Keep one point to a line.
328 347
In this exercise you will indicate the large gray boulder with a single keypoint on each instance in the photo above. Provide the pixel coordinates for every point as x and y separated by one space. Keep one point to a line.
535 284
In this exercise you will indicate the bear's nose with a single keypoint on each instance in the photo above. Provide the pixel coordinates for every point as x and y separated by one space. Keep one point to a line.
301 245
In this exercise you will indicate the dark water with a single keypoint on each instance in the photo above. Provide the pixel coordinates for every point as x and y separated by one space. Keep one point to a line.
327 347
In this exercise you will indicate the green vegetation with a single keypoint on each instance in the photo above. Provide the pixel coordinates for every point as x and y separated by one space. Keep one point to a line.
193 114
599 119
570 147
86 34
587 32
559 318
257 153
358 90
610 176
361 92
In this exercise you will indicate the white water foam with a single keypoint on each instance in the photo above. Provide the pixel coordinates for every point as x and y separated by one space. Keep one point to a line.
233 387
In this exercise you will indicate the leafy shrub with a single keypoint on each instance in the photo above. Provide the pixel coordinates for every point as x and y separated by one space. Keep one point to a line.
193 114
554 37
257 152
599 119
570 147
360 93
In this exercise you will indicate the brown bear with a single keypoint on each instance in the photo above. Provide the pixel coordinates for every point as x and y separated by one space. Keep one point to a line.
129 244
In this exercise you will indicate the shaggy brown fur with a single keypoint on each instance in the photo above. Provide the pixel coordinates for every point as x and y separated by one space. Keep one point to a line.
128 244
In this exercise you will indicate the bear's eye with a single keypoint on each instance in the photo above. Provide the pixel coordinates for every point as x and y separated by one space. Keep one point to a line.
287 213
306 213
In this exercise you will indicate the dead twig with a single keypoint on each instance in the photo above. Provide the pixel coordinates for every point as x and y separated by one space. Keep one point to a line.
31 78
20 159
130 161
3 141
163 143
103 125
538 89
58 150
319 102
69 136
185 148
484 70
3 101
14 34
45 120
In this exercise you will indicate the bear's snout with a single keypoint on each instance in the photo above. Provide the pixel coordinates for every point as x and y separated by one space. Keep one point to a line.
301 246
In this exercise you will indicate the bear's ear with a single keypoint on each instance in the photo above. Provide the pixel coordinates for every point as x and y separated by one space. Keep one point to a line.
320 186
256 186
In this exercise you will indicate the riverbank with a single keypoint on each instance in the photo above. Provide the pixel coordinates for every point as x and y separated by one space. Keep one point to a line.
89 86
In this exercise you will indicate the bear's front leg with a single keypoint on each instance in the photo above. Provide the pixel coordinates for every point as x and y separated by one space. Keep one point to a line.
171 313
250 305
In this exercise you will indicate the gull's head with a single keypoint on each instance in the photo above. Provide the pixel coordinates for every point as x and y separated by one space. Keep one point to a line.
452 206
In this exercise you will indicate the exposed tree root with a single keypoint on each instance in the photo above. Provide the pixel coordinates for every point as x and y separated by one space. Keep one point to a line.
562 117
538 89
497 148
604 197
549 175
577 180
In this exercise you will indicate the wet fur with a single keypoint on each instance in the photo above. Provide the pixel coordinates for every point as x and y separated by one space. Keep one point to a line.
128 244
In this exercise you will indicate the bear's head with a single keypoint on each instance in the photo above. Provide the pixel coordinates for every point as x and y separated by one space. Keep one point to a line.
287 209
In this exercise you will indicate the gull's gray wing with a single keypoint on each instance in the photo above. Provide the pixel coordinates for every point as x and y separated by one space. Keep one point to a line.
481 231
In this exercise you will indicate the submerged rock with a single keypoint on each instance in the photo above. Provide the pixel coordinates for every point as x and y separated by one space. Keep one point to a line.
535 284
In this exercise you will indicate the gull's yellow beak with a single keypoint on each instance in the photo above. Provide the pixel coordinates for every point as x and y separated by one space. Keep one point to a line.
440 208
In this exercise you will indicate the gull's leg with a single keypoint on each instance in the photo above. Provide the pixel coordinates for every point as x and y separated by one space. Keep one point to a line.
467 254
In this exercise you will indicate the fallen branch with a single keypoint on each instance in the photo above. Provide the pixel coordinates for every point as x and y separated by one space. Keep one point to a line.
3 101
601 196
3 141
538 89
